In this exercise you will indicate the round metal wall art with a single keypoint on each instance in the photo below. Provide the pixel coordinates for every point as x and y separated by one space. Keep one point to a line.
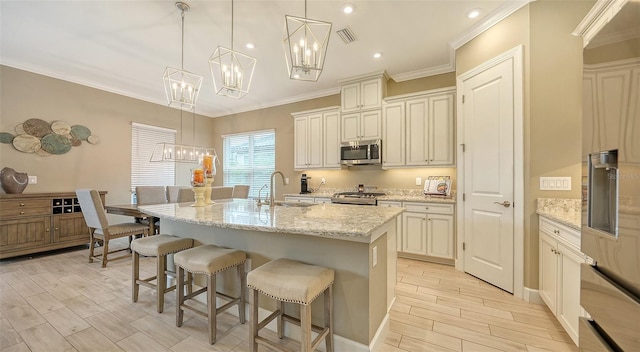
44 138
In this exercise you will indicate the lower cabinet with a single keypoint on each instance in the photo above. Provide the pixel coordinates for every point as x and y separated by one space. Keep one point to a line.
559 280
427 231
398 221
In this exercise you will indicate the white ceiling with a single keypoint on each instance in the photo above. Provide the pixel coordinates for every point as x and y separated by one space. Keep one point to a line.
125 46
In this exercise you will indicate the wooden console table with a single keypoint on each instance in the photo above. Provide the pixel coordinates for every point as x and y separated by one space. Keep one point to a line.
38 222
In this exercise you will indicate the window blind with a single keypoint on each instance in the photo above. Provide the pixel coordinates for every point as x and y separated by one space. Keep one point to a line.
143 172
249 159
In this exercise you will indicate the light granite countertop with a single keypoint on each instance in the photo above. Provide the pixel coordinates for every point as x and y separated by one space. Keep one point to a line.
339 221
564 211
394 195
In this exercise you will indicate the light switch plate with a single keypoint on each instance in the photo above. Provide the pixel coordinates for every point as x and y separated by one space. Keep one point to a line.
418 181
555 183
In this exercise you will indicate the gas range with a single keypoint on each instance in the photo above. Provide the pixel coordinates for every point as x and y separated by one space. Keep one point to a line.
356 198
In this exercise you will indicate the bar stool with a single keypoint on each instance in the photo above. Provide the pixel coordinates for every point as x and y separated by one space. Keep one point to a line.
156 246
290 281
209 260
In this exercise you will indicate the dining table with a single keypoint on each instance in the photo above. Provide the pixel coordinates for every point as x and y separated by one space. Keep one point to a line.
132 210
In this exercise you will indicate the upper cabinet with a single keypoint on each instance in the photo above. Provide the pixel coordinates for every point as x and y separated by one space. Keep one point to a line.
361 126
418 129
364 93
316 139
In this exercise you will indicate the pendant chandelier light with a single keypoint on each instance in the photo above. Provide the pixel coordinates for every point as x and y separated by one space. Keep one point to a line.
231 70
181 87
305 46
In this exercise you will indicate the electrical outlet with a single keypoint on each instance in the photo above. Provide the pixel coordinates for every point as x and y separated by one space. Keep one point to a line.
286 181
323 181
418 181
374 256
33 180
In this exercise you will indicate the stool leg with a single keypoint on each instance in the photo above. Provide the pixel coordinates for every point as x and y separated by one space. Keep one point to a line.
161 281
328 316
179 295
135 275
92 245
241 303
253 319
211 306
279 320
105 251
305 328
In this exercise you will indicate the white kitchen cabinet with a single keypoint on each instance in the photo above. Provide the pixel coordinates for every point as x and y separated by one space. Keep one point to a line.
321 200
393 133
363 93
316 139
299 199
417 129
428 230
559 274
386 203
361 125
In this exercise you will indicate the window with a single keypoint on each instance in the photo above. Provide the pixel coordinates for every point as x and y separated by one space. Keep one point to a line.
143 172
249 159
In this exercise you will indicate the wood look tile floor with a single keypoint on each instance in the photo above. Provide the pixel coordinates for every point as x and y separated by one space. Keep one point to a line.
60 302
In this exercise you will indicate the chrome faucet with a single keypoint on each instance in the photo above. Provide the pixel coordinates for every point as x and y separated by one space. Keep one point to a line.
272 195
260 202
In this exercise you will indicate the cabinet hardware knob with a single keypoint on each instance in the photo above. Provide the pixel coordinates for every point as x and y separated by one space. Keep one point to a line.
22 213
47 230
426 208
22 204
57 229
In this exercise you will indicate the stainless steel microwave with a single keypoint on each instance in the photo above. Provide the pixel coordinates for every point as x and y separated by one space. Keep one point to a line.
361 152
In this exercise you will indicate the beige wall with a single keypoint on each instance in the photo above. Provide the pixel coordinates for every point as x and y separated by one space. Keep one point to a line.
104 166
552 99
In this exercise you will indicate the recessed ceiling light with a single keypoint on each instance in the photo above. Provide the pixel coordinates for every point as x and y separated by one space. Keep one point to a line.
296 76
250 46
473 13
348 8
377 55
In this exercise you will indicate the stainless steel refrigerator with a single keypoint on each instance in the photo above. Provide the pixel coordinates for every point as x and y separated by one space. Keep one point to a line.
610 289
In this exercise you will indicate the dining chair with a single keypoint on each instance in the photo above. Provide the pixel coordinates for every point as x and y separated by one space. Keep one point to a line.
221 192
147 195
100 229
240 191
186 195
172 193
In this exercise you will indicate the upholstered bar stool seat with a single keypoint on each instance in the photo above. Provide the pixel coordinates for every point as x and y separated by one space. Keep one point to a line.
210 260
290 281
156 246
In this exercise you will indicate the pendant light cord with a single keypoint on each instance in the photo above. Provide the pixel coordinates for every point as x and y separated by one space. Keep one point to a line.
231 25
182 51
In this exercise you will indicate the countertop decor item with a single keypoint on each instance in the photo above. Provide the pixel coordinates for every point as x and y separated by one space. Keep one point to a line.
13 182
44 138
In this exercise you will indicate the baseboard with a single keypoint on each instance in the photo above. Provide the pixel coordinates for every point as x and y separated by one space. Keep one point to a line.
532 296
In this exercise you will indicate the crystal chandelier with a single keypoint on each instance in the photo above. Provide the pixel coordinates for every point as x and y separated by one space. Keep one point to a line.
181 87
305 46
231 70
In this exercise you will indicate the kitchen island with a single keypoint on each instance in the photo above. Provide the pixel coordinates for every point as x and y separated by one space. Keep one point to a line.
358 242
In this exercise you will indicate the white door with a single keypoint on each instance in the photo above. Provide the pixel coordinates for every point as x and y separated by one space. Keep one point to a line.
370 122
488 117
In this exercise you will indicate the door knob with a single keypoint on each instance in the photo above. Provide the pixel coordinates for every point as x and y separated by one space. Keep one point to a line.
505 204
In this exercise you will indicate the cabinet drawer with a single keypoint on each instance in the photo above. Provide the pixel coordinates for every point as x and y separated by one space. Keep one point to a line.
13 208
389 204
429 208
564 232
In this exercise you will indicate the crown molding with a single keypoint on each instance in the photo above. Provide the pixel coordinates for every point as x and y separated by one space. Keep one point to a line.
599 15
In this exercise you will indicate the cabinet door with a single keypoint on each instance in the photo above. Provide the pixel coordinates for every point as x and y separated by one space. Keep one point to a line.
300 132
371 94
370 122
393 135
350 127
417 125
440 136
314 141
398 222
350 97
70 228
414 233
23 233
331 140
548 271
440 236
568 308
322 200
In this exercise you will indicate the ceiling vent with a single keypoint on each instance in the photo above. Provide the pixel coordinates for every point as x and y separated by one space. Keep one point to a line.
347 35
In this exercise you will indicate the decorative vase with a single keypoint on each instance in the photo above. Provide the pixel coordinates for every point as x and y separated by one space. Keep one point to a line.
207 191
198 193
13 182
